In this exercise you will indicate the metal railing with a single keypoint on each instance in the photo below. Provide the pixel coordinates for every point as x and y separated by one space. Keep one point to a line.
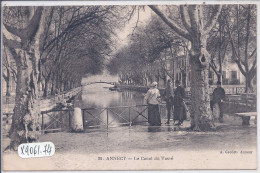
104 118
60 120
117 116
56 120
51 121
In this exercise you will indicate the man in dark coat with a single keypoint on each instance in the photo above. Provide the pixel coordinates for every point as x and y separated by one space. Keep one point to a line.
169 99
179 109
217 97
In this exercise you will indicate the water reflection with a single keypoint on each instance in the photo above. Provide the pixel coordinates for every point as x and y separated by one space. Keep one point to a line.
99 95
105 106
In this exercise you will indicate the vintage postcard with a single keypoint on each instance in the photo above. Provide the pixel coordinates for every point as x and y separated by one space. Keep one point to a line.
129 85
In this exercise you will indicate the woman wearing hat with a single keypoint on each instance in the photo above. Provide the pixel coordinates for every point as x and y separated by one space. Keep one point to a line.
151 98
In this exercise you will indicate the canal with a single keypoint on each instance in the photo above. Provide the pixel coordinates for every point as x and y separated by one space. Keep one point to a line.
99 96
102 107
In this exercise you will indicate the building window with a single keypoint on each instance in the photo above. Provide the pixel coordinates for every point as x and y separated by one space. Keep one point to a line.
224 75
224 78
234 79
233 74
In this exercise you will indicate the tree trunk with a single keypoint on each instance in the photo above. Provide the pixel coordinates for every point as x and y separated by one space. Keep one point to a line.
46 88
8 93
196 32
71 85
219 76
200 101
8 89
201 115
248 83
61 87
7 81
53 87
25 121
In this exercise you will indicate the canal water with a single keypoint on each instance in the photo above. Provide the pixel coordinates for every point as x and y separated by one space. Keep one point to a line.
102 106
99 96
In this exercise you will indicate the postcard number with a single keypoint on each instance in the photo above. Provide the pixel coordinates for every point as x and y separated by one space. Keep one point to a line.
41 149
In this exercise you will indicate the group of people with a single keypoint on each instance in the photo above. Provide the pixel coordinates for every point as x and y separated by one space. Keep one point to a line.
176 99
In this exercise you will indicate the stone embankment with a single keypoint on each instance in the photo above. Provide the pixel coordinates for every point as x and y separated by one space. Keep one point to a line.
46 104
139 88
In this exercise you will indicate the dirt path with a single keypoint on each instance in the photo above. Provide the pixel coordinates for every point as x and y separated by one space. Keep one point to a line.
81 151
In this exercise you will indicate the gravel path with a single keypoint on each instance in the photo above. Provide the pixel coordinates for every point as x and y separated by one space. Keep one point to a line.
80 151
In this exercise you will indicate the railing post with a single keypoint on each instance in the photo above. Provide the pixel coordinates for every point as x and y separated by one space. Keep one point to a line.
57 117
42 124
83 119
60 116
69 121
129 115
107 118
247 101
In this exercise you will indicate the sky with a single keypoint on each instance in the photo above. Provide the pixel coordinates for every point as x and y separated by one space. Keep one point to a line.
123 38
144 17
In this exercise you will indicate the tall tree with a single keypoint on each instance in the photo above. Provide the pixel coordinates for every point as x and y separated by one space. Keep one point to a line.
195 28
9 70
241 27
218 44
76 34
146 53
25 50
61 38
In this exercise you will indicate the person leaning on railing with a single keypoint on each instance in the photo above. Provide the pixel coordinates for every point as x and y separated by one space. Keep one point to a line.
151 98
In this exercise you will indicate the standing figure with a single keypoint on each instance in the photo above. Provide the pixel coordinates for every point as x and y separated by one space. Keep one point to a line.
217 97
151 98
179 109
169 100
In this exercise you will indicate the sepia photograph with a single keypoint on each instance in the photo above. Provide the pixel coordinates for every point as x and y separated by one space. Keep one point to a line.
134 85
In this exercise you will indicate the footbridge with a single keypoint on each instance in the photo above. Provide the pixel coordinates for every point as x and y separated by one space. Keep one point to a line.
90 83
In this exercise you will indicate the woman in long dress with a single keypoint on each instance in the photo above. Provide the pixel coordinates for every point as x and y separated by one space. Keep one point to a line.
151 98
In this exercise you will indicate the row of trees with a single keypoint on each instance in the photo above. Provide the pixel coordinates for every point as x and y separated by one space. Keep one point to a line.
235 35
212 31
145 57
148 45
64 40
53 48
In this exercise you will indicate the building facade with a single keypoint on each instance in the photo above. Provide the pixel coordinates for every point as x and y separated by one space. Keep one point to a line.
180 66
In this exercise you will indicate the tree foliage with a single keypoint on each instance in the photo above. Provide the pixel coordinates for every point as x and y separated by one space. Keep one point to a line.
241 28
141 60
53 46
